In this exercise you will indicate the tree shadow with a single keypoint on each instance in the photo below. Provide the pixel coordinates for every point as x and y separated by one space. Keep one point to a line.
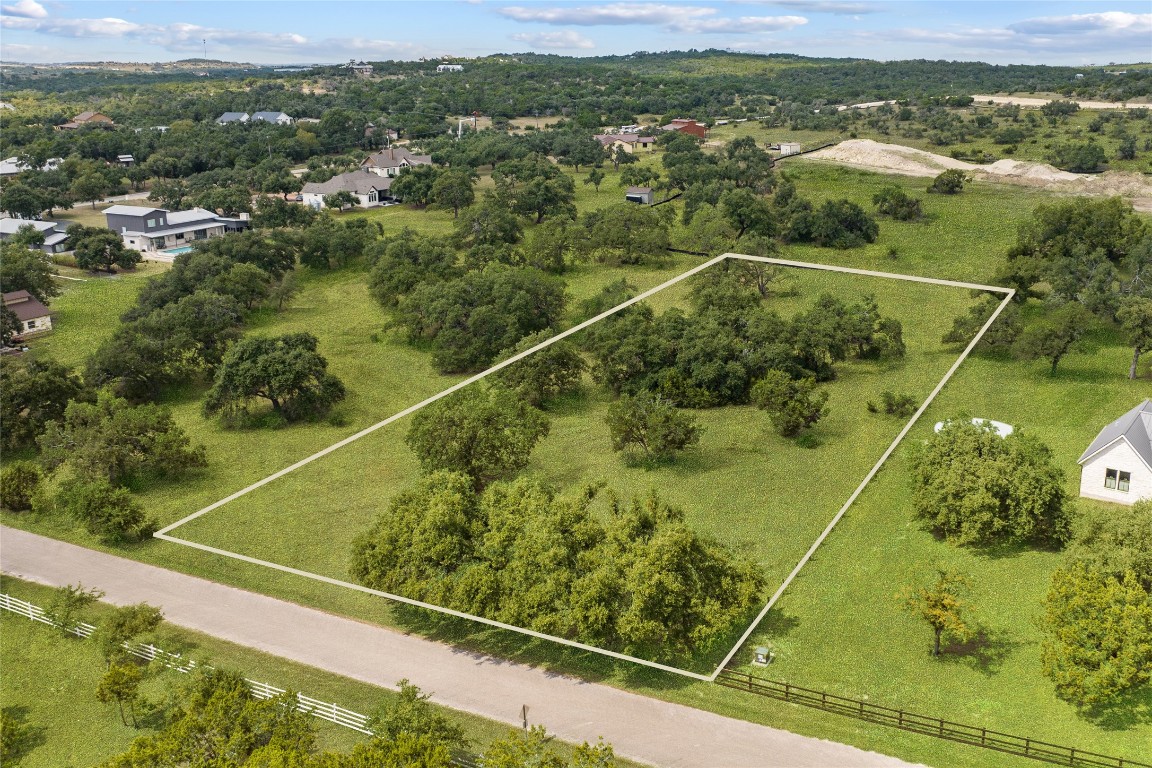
984 652
1128 710
20 735
493 646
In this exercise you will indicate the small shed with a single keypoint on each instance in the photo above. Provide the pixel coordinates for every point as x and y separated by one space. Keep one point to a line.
125 159
1117 466
790 148
640 195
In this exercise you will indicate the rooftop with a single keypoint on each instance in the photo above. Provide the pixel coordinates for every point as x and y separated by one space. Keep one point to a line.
1134 427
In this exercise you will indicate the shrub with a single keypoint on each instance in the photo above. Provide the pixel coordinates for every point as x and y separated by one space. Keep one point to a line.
18 482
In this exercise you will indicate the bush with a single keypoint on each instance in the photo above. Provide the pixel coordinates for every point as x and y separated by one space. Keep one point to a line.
902 404
651 425
108 512
895 202
950 182
18 482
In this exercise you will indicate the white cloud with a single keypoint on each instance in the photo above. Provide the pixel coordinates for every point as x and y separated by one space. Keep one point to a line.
1124 36
568 39
690 19
818 6
186 38
1107 22
29 9
109 27
610 14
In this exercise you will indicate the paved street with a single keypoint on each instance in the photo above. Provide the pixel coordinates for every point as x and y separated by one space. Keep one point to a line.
640 728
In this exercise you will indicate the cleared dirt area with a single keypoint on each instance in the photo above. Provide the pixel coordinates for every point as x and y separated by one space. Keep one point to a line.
907 161
1028 101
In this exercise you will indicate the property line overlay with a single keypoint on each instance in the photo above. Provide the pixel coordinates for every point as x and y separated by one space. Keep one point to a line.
164 533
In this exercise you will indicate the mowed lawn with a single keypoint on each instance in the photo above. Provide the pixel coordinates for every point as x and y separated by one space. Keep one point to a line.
745 485
840 628
51 680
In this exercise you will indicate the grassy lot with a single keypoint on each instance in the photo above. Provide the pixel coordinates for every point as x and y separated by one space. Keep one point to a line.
744 485
838 627
52 679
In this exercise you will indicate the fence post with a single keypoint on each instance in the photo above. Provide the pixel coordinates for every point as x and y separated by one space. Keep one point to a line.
900 720
1072 756
787 692
1027 747
983 737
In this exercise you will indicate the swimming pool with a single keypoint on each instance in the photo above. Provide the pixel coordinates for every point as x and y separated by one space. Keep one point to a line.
177 251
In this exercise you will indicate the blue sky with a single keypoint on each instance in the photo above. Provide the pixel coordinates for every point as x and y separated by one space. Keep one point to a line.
1075 32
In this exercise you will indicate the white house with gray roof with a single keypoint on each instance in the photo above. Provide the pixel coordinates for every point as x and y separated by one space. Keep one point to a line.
279 118
1118 464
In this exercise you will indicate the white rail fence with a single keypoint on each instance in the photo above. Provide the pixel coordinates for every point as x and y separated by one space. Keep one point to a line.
324 710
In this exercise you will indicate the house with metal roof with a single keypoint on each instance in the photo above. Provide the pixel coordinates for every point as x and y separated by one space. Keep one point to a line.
53 232
279 118
1118 464
232 117
148 229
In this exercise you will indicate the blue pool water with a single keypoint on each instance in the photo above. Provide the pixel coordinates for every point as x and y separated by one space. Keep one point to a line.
177 251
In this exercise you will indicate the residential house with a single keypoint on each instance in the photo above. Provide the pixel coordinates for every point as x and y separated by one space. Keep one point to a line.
34 317
232 117
279 118
449 68
86 118
641 195
1118 464
125 159
156 229
371 189
10 166
359 68
54 232
629 142
684 125
389 162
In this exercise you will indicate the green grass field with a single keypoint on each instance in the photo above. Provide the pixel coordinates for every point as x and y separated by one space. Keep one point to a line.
838 627
744 485
51 679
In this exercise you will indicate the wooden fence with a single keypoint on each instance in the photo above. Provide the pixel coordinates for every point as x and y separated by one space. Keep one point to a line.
922 724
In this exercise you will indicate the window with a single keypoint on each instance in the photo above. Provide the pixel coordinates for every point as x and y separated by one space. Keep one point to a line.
1117 480
30 324
151 222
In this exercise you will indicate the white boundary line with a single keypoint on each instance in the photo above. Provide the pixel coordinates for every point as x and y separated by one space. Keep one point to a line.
163 533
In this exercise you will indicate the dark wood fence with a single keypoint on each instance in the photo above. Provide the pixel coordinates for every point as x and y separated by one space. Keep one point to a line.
928 726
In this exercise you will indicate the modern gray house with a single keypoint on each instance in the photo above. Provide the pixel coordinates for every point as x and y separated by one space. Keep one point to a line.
54 234
156 229
232 117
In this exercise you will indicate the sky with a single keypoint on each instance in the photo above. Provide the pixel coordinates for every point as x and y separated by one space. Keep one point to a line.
1069 32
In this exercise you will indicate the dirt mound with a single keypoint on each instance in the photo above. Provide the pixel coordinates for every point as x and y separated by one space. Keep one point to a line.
907 161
